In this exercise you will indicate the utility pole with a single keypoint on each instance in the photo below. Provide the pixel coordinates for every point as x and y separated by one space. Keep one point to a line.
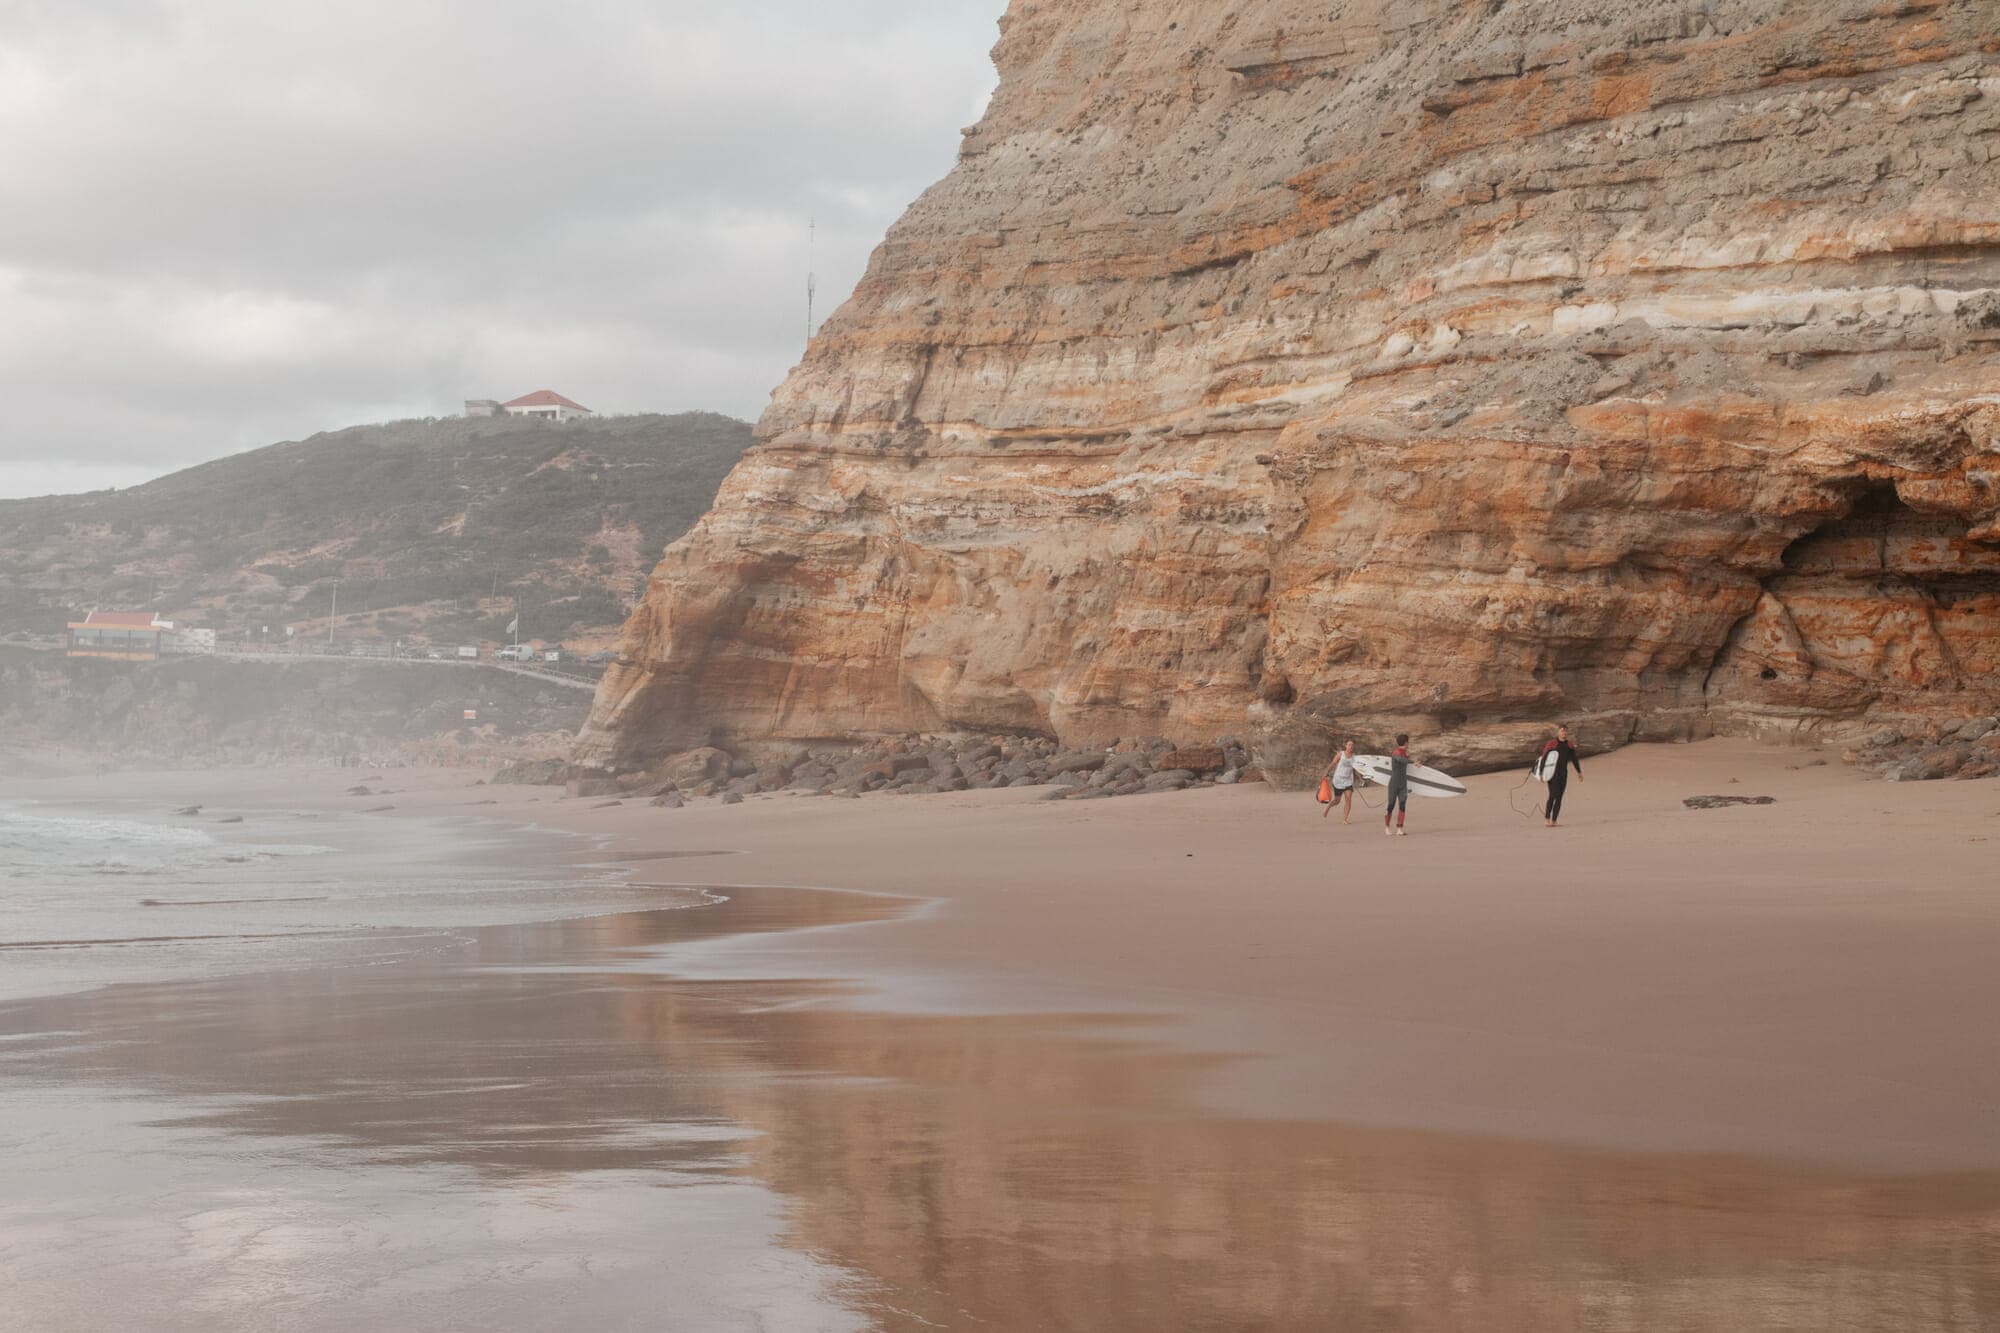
812 279
334 614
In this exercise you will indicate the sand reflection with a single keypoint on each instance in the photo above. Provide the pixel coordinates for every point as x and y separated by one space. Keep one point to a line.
1003 1172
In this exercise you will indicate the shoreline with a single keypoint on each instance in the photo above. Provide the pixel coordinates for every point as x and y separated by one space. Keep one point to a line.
265 884
1070 1065
1748 980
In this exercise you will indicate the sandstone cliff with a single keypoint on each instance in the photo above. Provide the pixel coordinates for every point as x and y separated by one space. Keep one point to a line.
1405 362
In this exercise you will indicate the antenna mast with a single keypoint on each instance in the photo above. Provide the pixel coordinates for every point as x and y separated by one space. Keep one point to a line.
812 279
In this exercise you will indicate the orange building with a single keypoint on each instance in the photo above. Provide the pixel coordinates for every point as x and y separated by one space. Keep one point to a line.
128 636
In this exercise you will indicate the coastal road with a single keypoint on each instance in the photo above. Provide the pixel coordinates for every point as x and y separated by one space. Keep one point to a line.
552 676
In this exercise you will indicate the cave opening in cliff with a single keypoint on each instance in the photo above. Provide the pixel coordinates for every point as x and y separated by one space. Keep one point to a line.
1880 605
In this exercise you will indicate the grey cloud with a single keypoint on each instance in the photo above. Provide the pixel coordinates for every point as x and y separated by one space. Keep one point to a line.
227 221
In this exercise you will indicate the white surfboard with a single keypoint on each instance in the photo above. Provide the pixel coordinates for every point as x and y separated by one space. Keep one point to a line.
1545 767
1423 781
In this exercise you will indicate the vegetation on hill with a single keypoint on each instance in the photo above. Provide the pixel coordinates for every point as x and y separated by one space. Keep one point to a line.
434 530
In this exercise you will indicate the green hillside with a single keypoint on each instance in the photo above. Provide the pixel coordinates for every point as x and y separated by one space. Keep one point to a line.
435 531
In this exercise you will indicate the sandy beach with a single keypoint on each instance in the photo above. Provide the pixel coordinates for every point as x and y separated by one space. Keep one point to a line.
1200 1059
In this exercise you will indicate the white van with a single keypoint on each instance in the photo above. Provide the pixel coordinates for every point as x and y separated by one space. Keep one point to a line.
516 652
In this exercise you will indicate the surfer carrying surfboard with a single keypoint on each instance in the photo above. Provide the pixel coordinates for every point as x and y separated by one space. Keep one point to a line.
1340 784
1399 786
1553 764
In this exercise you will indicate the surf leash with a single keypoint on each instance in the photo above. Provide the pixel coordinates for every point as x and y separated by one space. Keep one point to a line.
1525 814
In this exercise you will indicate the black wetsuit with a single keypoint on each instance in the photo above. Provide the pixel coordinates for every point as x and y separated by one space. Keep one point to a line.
1399 787
1566 757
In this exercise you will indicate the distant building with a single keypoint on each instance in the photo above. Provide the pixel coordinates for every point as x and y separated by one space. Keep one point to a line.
128 636
546 403
482 407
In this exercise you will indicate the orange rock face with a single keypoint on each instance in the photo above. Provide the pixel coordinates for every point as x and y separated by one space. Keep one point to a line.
1409 363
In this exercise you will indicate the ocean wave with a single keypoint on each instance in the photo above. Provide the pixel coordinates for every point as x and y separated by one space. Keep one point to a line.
39 844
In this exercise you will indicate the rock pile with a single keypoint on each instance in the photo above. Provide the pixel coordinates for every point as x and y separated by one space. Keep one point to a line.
920 765
533 772
1969 749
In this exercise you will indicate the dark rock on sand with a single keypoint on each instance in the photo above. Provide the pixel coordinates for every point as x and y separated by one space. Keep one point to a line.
896 765
1929 766
1717 802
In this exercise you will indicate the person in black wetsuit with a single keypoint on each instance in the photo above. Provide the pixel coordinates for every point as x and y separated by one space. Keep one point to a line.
1566 759
1399 787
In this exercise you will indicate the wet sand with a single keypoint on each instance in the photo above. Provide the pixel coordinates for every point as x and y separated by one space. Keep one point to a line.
1200 1060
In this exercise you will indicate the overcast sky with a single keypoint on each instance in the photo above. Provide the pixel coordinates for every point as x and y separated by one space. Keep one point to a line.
225 223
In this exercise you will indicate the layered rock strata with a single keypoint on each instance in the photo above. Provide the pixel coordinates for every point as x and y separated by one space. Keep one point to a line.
1410 363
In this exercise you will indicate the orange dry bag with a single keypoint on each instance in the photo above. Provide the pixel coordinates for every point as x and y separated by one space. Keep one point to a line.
1325 792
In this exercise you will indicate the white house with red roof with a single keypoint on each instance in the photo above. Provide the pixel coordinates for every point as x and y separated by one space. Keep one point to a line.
546 403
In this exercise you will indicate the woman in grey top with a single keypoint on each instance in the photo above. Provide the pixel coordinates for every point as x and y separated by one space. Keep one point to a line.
1341 773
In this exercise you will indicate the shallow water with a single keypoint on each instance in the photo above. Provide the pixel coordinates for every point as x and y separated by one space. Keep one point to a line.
517 1129
113 893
